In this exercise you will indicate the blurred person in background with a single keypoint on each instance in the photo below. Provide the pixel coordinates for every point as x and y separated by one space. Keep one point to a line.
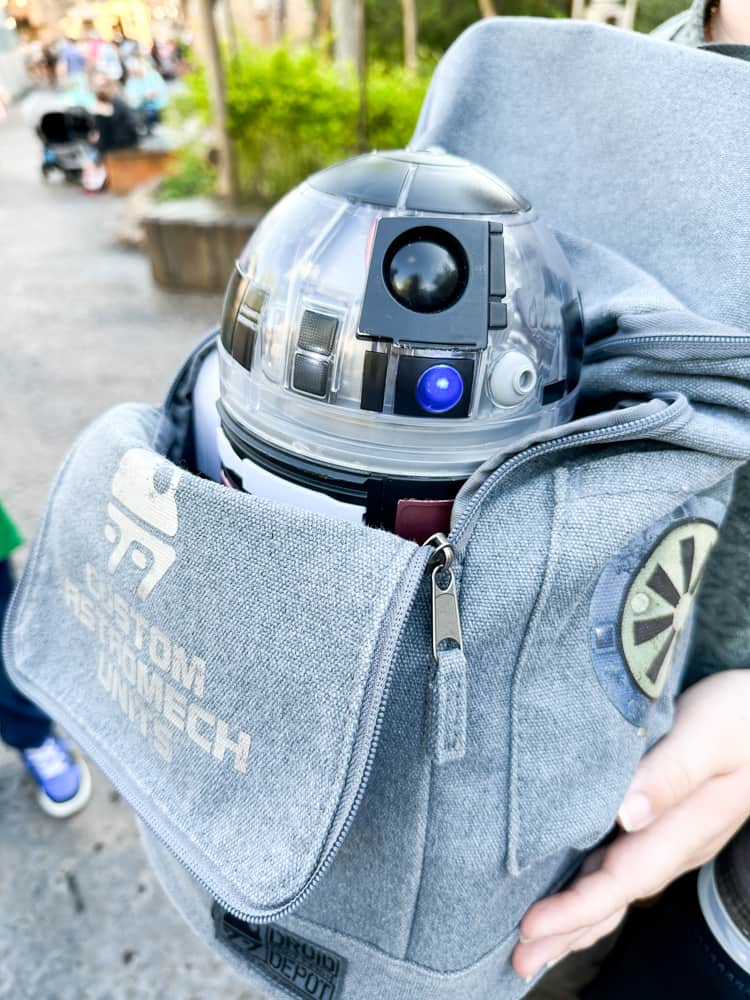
114 128
145 91
165 56
127 47
72 61
101 57
64 784
91 43
156 58
50 55
108 62
717 22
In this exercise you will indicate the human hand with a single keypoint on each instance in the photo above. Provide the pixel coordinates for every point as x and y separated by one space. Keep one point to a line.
690 794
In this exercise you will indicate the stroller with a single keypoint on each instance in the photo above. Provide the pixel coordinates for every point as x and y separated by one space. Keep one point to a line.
65 135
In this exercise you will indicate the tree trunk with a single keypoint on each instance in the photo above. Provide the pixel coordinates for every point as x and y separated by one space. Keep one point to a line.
362 74
323 22
234 45
487 8
279 21
228 187
348 26
350 50
410 33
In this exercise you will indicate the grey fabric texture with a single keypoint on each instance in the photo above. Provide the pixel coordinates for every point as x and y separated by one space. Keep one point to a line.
444 855
235 703
446 721
637 144
443 859
431 839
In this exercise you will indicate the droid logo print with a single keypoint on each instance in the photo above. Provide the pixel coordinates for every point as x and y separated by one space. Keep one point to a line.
159 686
303 968
156 684
657 606
135 487
641 611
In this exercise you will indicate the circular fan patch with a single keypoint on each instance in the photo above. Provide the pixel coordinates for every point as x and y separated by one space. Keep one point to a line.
658 603
640 615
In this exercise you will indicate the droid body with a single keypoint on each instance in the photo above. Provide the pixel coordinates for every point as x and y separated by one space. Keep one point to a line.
395 320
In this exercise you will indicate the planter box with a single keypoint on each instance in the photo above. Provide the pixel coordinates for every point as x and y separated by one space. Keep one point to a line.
193 242
127 168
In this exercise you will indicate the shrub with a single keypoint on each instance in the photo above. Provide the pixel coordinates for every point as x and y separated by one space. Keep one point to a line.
442 21
293 112
194 176
394 97
652 12
289 114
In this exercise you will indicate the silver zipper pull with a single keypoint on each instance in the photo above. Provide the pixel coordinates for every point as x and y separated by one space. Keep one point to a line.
446 620
447 698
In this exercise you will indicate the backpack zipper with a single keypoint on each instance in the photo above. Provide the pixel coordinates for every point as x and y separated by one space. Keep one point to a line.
446 626
446 620
445 551
438 554
613 345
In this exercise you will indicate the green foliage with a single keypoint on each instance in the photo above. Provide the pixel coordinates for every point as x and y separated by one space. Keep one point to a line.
394 97
194 176
293 112
440 22
651 13
289 112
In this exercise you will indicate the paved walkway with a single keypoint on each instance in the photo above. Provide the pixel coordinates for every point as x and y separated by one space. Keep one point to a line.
81 328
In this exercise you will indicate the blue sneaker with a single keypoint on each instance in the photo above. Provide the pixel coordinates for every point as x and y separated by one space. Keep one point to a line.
64 783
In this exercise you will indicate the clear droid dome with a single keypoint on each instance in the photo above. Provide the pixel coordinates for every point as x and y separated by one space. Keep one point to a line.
403 314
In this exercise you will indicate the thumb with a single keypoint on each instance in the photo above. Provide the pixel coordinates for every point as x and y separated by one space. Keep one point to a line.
690 754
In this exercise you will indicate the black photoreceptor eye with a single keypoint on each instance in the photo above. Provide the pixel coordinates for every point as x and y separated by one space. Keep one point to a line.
426 269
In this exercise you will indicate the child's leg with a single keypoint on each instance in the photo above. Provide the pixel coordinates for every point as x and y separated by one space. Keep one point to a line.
22 724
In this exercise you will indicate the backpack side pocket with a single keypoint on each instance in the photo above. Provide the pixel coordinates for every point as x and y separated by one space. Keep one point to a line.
606 645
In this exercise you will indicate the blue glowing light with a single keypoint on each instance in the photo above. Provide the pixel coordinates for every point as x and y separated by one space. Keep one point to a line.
439 388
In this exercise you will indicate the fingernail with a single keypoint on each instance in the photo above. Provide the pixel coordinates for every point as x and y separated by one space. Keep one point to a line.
635 812
523 939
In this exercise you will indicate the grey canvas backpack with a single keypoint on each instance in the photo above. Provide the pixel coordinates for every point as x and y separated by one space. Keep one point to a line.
342 814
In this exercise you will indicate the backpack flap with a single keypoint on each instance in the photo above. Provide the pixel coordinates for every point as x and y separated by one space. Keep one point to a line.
224 659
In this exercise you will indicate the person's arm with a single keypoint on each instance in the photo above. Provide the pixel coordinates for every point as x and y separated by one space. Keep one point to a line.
689 796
